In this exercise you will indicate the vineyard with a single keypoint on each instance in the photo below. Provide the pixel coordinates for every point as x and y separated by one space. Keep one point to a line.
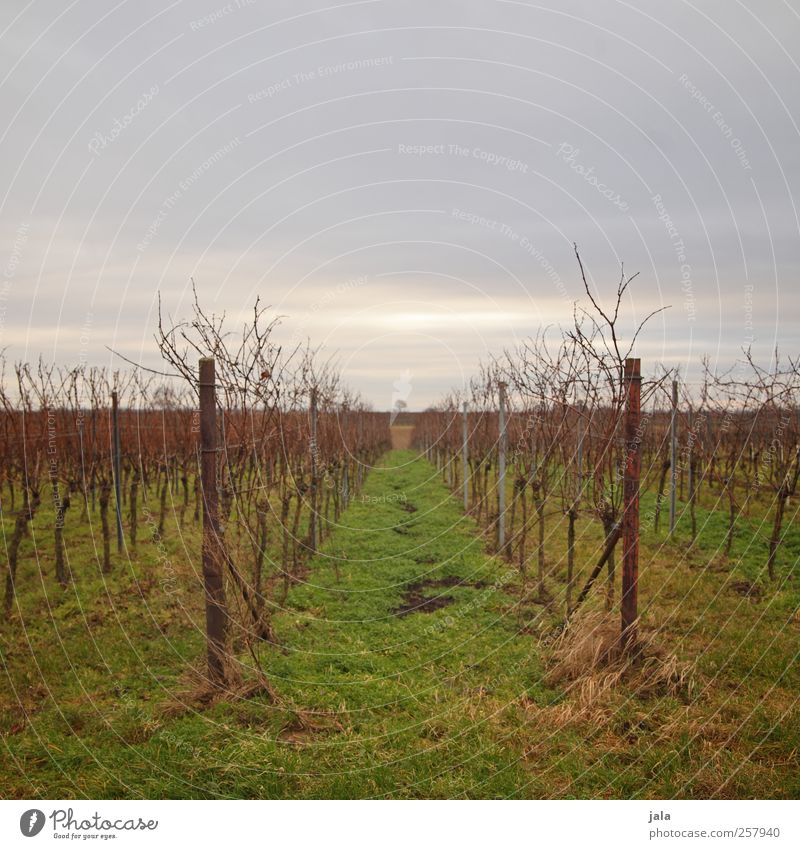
231 577
558 455
293 450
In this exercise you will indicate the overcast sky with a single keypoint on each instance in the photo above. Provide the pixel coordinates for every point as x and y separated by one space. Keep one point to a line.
402 180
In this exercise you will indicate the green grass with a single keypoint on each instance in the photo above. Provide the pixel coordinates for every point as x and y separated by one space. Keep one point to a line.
447 703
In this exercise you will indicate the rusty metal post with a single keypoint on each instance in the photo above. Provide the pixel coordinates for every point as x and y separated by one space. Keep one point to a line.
690 452
345 474
673 457
313 523
630 516
116 465
213 550
579 456
501 470
465 456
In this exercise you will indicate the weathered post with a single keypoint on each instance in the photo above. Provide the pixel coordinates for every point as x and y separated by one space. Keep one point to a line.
213 550
313 520
579 455
116 464
501 470
465 456
692 483
572 513
673 457
630 515
451 469
345 470
358 457
690 450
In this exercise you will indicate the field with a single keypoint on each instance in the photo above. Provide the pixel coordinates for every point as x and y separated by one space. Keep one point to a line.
406 661
401 436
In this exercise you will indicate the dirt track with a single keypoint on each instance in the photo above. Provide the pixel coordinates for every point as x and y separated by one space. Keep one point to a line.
401 436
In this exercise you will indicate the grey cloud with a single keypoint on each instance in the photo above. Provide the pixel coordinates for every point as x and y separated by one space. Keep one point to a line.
272 149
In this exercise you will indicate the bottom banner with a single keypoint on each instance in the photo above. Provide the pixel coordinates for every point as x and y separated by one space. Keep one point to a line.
393 823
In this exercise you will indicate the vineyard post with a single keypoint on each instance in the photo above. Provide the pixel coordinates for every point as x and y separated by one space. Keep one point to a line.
313 517
345 476
501 470
673 456
464 455
115 462
359 463
690 450
630 515
579 457
690 458
213 554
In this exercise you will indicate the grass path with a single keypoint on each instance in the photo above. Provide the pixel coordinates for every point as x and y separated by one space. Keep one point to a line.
404 667
403 633
387 704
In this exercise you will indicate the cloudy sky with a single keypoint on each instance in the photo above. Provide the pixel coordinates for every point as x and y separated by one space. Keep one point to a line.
402 180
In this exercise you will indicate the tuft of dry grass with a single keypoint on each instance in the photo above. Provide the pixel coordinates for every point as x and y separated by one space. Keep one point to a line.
302 727
197 692
401 435
586 657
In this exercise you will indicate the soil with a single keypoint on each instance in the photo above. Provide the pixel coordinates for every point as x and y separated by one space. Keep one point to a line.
415 601
746 589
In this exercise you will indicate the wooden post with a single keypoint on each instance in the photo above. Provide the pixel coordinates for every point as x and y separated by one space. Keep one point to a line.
692 481
690 451
451 469
673 456
116 464
501 470
465 456
630 516
313 519
579 457
345 473
213 550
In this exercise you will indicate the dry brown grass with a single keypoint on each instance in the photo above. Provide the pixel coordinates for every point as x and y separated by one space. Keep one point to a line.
196 692
587 660
401 436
